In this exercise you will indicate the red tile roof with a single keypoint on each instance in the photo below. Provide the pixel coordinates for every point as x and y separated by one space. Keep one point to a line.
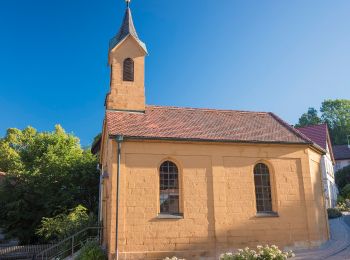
195 124
317 133
341 152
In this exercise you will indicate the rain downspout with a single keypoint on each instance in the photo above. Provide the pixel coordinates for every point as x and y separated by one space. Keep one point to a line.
99 213
119 139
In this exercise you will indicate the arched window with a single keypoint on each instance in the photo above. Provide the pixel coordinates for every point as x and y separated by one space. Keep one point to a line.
128 70
169 188
262 188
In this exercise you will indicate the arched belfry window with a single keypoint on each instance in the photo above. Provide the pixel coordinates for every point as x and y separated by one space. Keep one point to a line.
128 70
169 188
262 188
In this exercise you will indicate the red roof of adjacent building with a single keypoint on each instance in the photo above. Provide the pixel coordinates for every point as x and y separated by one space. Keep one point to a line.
317 133
341 152
158 122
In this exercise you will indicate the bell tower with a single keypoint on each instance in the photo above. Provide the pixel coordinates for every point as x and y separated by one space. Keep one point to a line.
126 58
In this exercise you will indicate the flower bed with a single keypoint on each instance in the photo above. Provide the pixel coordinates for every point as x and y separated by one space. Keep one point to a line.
261 253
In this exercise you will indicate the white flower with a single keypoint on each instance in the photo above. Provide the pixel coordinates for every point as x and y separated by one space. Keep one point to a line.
173 258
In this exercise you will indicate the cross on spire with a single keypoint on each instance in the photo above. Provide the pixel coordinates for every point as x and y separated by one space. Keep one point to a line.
127 2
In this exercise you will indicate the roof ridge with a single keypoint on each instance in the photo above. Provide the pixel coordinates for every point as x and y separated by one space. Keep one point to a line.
310 126
205 109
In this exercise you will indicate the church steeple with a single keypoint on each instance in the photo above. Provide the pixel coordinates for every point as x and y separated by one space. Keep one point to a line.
127 29
126 57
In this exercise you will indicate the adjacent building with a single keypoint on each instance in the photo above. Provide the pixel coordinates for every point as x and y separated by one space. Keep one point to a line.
342 156
320 135
199 182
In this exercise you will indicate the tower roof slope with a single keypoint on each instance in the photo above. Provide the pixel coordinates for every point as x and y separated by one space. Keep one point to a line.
127 29
158 122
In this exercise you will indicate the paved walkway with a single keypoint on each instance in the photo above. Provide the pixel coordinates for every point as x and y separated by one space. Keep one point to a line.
337 248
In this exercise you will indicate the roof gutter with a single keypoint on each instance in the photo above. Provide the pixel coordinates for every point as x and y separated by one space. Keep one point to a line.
312 145
176 139
207 140
318 148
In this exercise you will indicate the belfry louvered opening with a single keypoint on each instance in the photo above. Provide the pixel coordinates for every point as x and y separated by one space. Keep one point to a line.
128 70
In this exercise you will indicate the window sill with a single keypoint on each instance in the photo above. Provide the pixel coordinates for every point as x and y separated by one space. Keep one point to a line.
170 216
267 215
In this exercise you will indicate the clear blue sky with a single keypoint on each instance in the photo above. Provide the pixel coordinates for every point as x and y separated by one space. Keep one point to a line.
279 56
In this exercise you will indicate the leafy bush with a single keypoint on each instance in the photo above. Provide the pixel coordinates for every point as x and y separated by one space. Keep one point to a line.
342 206
91 251
340 199
261 253
345 191
342 177
63 225
334 213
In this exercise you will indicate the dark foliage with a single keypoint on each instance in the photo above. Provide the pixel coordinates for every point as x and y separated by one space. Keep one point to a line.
334 213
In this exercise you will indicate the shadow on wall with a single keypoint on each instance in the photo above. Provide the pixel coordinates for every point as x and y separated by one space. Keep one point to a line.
250 233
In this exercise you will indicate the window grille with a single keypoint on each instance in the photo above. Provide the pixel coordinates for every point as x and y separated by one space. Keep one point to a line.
262 188
169 188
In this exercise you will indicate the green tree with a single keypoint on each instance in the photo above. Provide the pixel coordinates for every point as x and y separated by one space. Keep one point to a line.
47 174
96 139
63 225
309 118
336 113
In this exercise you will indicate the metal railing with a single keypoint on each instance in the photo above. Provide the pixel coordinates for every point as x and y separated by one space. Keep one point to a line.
69 246
21 252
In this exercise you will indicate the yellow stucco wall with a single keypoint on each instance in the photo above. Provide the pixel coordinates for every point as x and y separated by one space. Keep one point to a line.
217 199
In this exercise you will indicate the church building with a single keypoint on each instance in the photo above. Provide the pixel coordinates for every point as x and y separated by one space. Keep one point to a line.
195 183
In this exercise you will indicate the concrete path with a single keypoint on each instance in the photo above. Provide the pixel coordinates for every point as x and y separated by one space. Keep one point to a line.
337 248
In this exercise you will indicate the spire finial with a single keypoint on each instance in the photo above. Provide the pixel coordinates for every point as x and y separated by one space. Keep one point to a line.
127 2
